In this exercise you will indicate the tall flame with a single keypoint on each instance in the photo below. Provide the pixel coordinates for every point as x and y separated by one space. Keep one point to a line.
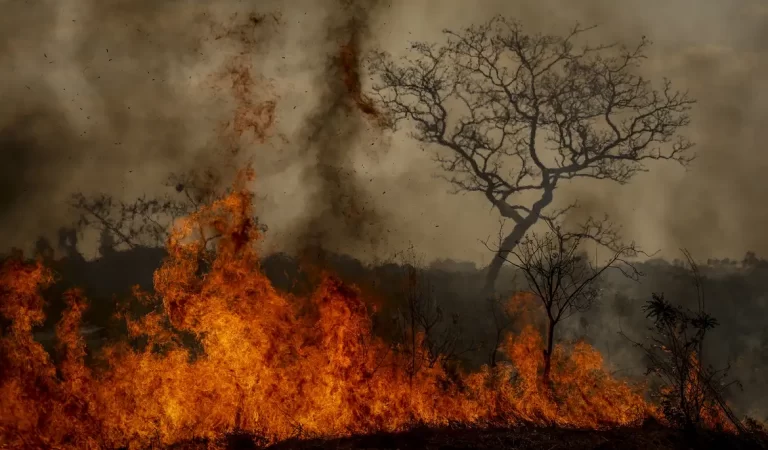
270 364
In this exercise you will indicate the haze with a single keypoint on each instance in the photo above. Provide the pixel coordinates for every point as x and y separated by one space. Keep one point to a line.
111 96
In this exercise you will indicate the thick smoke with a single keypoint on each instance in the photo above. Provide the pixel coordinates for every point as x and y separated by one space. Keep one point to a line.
94 100
341 213
114 95
710 48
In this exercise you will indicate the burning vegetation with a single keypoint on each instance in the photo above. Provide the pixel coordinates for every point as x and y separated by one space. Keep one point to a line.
267 364
215 350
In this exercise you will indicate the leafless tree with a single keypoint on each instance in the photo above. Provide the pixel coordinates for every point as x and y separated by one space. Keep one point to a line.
514 115
423 332
146 221
560 274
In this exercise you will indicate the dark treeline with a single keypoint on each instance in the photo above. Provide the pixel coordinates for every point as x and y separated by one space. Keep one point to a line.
735 294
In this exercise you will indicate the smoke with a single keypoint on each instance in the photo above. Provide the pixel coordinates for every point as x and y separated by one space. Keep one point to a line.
341 214
714 50
93 100
112 96
709 48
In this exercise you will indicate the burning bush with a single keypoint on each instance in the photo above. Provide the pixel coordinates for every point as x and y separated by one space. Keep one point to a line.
691 393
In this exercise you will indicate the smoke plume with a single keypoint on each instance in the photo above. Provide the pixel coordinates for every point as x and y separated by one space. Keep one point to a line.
341 213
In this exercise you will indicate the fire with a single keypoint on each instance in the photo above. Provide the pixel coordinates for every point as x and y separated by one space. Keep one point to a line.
269 364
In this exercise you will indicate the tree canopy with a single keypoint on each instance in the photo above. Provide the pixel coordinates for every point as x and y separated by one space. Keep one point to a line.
516 114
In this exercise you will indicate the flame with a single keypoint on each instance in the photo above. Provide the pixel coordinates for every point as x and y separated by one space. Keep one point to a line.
270 364
699 401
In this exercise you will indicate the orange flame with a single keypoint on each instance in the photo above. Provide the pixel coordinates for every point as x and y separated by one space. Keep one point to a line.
272 365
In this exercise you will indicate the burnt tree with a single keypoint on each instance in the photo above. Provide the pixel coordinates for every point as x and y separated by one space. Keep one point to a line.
514 115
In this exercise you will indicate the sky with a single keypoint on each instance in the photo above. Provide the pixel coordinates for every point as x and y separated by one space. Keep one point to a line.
110 96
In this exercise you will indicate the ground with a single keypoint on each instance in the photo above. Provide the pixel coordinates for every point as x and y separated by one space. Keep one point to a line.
653 437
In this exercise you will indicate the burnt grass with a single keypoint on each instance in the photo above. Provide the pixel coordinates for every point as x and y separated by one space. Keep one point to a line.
648 436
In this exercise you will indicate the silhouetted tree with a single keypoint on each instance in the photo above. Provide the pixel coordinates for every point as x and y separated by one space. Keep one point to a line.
690 388
562 277
146 221
44 249
516 114
106 243
502 321
68 243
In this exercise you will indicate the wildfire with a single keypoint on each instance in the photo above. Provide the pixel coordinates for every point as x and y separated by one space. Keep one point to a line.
270 364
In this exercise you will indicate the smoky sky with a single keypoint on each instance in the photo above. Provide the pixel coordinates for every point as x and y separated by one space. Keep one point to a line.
341 212
709 48
113 95
89 100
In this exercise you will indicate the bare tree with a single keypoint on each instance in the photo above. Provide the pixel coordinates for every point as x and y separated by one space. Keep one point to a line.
562 277
146 221
505 313
516 114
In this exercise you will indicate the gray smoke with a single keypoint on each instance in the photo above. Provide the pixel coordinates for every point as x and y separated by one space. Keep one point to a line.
342 213
93 101
111 96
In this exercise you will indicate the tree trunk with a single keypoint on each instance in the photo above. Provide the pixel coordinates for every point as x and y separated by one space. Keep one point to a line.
507 245
548 352
522 225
